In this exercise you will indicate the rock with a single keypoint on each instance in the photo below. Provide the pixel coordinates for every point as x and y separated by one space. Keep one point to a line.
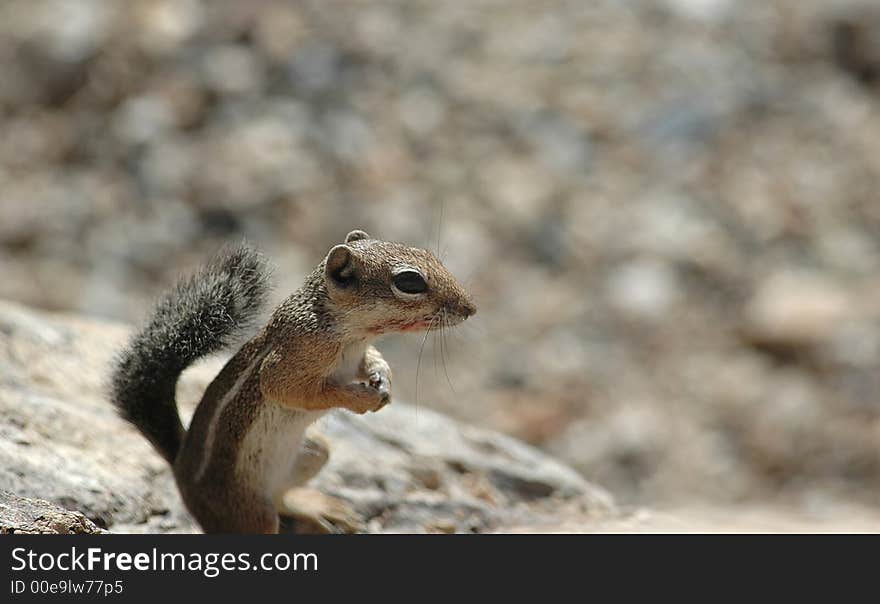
405 469
644 289
59 438
142 119
411 469
232 69
855 42
793 309
699 10
37 516
748 518
71 30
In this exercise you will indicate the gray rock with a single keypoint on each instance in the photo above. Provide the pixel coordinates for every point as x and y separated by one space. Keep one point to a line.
798 309
405 469
412 469
37 516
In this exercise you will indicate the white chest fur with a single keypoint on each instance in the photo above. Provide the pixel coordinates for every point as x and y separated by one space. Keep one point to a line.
272 445
349 362
274 439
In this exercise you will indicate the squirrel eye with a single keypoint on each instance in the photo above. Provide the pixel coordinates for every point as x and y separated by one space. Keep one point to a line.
410 282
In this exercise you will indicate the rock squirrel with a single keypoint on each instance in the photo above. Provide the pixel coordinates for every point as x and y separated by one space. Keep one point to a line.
246 446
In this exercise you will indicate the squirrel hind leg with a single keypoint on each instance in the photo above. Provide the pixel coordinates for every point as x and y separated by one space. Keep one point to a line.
310 509
313 455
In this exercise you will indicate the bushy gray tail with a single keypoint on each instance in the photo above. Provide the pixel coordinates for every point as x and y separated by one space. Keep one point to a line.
201 315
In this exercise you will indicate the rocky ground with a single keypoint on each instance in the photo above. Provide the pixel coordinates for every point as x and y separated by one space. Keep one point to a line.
69 465
666 209
405 469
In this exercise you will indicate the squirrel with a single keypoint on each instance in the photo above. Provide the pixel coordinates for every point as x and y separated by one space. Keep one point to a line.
246 445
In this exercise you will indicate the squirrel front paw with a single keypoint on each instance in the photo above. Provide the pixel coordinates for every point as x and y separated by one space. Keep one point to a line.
381 382
369 397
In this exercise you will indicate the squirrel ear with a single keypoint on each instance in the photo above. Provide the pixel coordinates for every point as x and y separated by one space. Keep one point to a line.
339 266
356 235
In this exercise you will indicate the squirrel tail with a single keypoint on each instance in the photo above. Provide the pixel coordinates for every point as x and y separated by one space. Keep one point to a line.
200 315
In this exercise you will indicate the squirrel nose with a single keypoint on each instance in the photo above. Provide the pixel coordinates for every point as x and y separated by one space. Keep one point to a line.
468 309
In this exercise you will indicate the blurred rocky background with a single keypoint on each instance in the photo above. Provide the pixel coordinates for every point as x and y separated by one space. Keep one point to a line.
667 210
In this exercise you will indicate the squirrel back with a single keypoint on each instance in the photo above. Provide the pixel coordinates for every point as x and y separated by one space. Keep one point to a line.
199 316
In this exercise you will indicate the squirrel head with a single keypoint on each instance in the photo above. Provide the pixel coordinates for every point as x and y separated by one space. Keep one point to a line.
382 287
